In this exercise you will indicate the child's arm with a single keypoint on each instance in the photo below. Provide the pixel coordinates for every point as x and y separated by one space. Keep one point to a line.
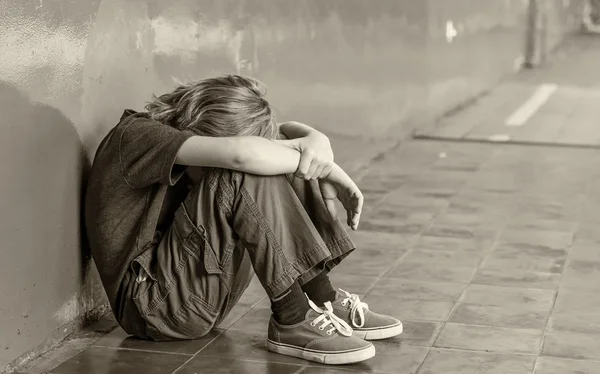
249 154
294 130
307 153
316 160
261 156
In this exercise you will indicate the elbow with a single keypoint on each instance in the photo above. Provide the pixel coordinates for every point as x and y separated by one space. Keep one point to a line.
241 154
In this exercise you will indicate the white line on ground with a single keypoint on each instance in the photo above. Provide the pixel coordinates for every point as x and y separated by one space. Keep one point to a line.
531 106
499 138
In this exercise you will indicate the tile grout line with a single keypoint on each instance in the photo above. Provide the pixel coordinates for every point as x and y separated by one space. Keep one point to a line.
464 187
556 292
429 349
543 337
196 354
139 350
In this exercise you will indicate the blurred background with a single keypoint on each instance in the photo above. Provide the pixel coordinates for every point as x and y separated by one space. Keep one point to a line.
368 73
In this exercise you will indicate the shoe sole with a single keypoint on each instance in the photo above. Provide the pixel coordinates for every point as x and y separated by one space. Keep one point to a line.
379 334
328 358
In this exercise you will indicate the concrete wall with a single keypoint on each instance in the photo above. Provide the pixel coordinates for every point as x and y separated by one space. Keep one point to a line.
69 67
550 21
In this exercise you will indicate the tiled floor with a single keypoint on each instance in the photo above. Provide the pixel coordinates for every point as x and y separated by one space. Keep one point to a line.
489 253
569 117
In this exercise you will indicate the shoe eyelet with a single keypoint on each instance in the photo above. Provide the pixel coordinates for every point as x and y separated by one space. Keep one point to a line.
321 328
329 333
344 303
312 324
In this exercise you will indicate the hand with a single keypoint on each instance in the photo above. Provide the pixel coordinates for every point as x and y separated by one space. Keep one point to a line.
340 186
316 155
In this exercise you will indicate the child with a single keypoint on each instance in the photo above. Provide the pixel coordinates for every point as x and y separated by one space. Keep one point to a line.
187 201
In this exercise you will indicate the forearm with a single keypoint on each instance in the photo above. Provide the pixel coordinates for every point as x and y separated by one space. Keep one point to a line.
339 176
249 154
294 130
265 157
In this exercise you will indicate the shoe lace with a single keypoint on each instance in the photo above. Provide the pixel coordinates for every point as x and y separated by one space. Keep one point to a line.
328 319
356 307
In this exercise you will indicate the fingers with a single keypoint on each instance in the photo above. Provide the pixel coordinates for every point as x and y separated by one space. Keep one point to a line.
312 170
318 171
355 211
330 205
306 160
326 171
311 167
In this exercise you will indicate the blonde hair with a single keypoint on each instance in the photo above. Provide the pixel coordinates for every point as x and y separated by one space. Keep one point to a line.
230 105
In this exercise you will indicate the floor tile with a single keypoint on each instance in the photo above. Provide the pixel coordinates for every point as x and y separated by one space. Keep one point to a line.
250 345
385 212
553 365
253 294
584 252
471 200
421 290
499 296
419 333
517 316
504 307
236 313
411 309
444 361
460 232
214 365
355 284
406 359
476 245
328 370
120 339
576 311
385 225
366 240
257 319
99 360
481 220
234 344
488 338
517 278
537 224
581 275
588 232
526 258
542 240
368 262
436 266
577 345
453 258
405 201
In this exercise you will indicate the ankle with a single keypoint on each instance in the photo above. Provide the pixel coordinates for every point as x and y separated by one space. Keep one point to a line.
291 306
319 289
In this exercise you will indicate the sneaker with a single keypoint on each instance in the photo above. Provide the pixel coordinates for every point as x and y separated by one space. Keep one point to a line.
322 337
365 323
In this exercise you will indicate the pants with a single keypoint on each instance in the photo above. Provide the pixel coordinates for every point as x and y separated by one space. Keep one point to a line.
230 226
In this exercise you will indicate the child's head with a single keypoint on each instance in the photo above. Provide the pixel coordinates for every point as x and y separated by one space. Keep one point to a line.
225 106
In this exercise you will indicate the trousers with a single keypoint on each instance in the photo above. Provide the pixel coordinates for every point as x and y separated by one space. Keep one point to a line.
230 227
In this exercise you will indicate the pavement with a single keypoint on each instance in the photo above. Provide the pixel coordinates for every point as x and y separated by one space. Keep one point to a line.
489 253
556 104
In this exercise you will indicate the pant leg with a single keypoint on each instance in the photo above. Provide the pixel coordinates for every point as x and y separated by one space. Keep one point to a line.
333 232
199 269
279 232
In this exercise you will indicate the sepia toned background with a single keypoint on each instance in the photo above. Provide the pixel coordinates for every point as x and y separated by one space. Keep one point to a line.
365 72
